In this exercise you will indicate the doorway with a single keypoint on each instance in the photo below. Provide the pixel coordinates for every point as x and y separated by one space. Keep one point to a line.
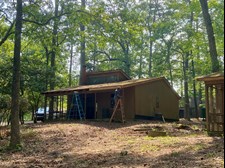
90 106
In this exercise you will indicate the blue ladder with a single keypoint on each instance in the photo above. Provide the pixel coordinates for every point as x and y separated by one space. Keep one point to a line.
76 108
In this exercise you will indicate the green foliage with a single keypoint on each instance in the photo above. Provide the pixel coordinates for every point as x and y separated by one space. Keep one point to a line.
118 35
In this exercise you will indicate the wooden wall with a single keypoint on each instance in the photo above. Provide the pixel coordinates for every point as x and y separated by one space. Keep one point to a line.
156 97
129 102
215 108
143 100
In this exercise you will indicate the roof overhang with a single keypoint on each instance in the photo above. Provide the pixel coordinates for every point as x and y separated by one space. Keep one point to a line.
217 78
107 87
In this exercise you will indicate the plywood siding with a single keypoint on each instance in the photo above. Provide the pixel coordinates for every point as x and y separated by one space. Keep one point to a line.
129 103
156 97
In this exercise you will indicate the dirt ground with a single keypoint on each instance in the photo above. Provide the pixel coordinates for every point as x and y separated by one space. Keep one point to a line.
92 144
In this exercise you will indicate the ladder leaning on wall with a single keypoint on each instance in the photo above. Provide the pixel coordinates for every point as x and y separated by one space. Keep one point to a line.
118 107
76 109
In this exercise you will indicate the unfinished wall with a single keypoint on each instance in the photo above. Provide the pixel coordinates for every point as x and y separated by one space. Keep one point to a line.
103 101
156 97
129 103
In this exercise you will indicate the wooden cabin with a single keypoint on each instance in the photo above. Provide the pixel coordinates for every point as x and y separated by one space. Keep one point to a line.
143 98
214 100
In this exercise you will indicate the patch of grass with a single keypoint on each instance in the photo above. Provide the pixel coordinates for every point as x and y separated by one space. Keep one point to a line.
165 141
131 141
197 147
168 140
150 147
148 138
211 155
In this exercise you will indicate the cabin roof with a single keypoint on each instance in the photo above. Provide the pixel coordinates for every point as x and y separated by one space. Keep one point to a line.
108 86
108 73
211 77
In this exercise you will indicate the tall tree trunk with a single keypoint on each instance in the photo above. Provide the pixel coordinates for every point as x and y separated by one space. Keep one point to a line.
150 35
46 80
211 37
15 127
168 57
83 49
71 65
53 56
194 90
200 99
186 87
140 66
127 60
140 71
46 68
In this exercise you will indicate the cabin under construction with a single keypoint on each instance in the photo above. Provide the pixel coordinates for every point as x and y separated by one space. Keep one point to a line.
141 98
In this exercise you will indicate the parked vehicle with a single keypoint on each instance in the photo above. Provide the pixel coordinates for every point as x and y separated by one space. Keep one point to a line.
40 114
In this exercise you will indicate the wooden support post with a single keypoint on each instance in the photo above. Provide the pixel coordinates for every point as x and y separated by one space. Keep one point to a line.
85 105
211 104
207 106
222 90
96 106
218 111
45 107
62 107
61 112
57 103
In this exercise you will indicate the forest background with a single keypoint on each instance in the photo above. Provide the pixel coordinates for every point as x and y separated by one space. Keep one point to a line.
145 38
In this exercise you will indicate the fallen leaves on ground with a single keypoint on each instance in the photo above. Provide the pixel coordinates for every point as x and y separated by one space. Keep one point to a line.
92 144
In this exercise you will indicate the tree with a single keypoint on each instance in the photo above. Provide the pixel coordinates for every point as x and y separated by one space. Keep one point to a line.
53 57
211 37
83 48
15 127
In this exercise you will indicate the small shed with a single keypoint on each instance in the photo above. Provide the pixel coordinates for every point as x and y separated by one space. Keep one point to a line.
141 98
214 97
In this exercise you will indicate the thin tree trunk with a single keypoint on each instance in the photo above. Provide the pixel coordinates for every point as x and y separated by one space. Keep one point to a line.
53 56
46 68
200 99
150 37
15 126
169 45
71 65
211 37
46 79
186 88
194 90
127 60
83 49
141 61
